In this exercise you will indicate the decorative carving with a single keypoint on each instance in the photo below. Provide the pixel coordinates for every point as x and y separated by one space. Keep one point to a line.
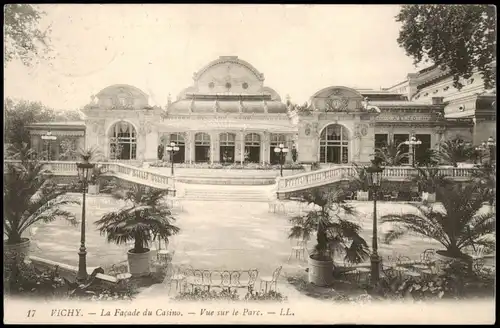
266 109
216 105
241 106
337 102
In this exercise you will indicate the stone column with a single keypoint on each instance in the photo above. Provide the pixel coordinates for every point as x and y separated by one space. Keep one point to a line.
288 144
266 147
242 147
214 147
188 139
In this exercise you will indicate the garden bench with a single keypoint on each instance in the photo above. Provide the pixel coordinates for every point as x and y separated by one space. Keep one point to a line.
225 279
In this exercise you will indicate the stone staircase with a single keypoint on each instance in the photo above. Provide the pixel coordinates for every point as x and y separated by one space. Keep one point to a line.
225 193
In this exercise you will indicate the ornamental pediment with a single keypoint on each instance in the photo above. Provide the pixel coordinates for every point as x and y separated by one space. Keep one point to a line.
337 99
120 96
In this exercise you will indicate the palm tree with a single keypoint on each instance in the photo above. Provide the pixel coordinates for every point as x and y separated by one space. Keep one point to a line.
145 218
359 180
30 195
457 226
91 154
454 151
485 176
333 232
428 179
429 157
391 155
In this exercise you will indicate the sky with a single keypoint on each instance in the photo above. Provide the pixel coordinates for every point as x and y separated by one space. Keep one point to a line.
157 48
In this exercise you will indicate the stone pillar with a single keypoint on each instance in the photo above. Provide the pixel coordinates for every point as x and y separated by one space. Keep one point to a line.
288 144
189 147
266 141
242 147
214 147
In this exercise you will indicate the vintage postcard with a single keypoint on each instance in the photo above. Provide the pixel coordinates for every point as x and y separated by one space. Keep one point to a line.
249 164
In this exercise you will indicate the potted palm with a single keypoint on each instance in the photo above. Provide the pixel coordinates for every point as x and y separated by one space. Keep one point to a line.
334 233
391 155
359 182
145 218
428 179
30 197
458 224
92 154
455 151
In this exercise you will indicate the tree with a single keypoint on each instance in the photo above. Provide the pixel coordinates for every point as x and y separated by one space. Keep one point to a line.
459 225
454 151
456 38
18 115
391 155
145 218
333 233
30 195
23 38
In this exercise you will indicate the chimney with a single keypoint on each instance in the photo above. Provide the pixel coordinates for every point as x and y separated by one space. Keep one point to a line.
437 100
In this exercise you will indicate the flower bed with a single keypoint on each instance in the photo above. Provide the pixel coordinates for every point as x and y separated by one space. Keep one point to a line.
203 295
235 166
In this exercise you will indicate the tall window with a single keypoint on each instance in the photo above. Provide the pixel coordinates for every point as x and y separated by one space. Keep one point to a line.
334 145
422 149
381 140
123 141
276 139
252 148
398 141
179 156
202 147
227 143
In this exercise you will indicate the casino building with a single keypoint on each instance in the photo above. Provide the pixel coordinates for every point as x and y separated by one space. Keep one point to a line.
229 115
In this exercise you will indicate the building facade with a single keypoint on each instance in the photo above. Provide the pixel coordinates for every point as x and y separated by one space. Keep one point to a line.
229 115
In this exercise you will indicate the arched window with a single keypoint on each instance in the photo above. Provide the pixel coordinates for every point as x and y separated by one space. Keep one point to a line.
202 147
123 141
276 140
334 145
178 139
227 142
252 148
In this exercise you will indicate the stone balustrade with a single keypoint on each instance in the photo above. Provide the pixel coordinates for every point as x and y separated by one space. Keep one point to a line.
343 173
119 170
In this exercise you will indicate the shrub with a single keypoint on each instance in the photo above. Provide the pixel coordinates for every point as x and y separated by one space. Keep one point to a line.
21 278
198 294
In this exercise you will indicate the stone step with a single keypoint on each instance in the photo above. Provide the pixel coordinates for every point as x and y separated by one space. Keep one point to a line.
226 193
239 181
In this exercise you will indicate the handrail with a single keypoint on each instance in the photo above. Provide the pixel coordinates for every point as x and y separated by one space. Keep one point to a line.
119 170
345 172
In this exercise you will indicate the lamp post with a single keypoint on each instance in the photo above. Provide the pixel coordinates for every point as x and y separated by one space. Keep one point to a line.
491 143
85 174
480 150
172 149
414 143
281 150
374 179
49 137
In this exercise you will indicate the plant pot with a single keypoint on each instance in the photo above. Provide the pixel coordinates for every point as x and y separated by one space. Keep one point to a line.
320 272
93 189
21 249
139 263
445 259
429 197
362 195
